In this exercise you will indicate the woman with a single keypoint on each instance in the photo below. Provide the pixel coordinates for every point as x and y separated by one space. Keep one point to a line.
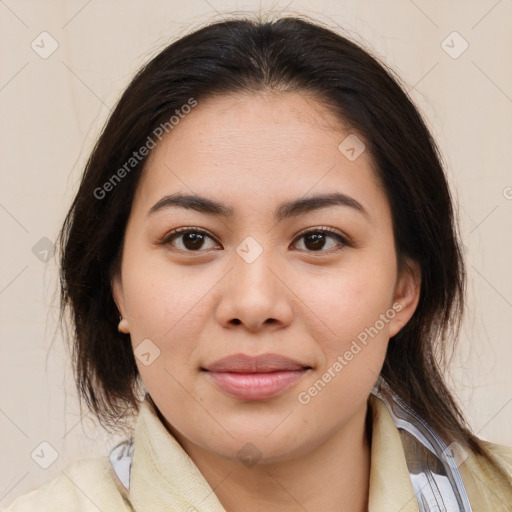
263 249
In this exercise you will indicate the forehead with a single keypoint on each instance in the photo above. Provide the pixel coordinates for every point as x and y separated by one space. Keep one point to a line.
256 147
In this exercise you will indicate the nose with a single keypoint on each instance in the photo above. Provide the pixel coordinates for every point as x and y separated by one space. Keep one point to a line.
255 294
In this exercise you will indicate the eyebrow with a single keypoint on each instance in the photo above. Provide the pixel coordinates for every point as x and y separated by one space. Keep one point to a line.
285 210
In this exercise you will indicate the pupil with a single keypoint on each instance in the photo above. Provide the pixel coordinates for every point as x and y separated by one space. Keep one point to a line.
318 241
193 240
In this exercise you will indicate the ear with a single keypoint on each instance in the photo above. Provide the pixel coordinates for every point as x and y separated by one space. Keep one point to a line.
406 296
118 296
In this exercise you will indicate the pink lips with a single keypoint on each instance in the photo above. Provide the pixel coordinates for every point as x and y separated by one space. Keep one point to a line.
255 377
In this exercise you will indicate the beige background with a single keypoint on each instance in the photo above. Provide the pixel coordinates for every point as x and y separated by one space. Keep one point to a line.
53 108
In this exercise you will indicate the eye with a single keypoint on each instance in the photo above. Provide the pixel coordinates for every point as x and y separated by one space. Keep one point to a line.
316 239
193 239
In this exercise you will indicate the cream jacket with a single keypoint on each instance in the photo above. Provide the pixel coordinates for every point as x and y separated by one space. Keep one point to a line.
164 478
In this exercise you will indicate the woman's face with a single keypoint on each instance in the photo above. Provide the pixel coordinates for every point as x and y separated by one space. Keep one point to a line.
254 283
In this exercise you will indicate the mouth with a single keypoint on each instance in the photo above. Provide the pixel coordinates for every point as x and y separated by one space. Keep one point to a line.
256 386
255 377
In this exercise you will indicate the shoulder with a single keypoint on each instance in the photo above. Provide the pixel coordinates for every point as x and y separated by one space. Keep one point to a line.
502 454
488 480
85 485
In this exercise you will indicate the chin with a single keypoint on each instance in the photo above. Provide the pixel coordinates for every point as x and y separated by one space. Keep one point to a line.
251 451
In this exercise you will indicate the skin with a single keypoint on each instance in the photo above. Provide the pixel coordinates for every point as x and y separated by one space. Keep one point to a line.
252 152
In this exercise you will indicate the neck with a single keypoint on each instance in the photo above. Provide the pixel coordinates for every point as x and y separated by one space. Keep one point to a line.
333 477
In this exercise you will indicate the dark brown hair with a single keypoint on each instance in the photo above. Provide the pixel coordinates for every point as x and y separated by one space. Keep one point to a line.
245 55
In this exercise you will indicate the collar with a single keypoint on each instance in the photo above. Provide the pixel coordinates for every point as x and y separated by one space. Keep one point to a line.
163 475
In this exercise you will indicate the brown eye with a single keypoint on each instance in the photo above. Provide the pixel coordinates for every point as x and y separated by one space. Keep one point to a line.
316 240
192 240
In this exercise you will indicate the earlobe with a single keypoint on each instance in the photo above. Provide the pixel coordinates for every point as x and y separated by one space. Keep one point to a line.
123 326
407 296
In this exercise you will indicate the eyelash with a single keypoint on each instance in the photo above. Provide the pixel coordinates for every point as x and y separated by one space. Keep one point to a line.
324 230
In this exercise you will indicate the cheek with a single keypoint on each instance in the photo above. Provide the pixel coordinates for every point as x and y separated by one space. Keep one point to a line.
165 306
161 297
355 306
352 338
349 301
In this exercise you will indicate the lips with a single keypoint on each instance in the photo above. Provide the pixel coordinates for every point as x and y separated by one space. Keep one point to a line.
255 377
241 363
